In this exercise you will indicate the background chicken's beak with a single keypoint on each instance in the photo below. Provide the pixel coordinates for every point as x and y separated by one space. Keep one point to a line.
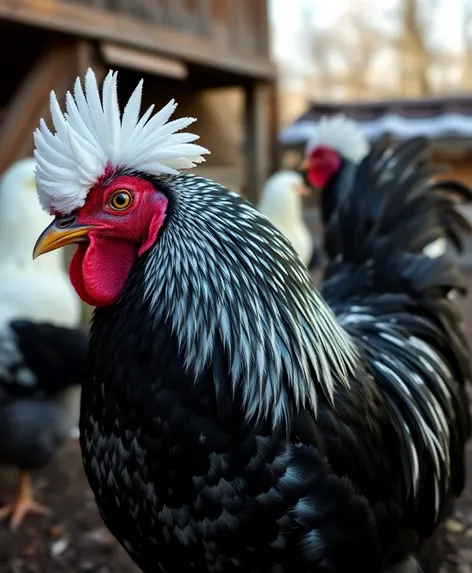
305 165
61 232
303 190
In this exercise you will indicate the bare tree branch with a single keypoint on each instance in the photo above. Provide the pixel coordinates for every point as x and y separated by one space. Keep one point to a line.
347 57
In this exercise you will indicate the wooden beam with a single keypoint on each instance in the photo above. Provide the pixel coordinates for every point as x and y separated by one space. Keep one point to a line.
86 58
116 55
275 155
87 22
231 177
56 69
257 149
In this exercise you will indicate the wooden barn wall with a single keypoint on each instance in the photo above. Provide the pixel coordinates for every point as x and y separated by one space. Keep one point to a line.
461 168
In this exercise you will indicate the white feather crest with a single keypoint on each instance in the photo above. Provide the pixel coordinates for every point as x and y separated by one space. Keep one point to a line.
92 134
341 134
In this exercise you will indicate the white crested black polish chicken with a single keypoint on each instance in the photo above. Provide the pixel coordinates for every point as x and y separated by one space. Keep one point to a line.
234 419
332 157
42 353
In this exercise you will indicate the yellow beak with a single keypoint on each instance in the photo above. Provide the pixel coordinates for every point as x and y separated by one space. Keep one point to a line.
61 232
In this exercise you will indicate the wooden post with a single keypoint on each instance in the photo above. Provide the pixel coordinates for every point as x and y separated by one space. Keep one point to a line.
86 58
275 152
55 70
257 150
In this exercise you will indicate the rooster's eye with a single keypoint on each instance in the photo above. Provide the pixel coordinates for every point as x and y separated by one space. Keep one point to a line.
120 200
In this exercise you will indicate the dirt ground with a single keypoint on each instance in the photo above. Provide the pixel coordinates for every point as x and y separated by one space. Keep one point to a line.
73 539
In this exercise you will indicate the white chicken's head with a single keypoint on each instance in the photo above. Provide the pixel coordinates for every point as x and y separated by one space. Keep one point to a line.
18 200
334 140
102 174
21 215
281 196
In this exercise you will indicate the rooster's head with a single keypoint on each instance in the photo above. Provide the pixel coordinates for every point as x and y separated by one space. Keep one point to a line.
183 249
98 173
335 140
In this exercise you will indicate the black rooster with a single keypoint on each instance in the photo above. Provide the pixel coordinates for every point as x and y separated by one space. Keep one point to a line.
231 421
332 157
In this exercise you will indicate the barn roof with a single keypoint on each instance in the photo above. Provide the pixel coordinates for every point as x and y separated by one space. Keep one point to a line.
439 118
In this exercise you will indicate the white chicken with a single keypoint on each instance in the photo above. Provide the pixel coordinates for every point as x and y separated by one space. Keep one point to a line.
281 202
42 352
37 290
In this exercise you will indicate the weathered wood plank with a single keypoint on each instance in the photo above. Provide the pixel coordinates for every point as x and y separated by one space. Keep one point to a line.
220 19
85 59
175 13
263 32
230 177
274 150
191 16
234 24
54 70
88 22
257 145
206 22
143 9
254 29
116 55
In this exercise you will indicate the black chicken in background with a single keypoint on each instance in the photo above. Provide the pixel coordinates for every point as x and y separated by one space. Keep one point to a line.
42 353
41 369
332 157
234 419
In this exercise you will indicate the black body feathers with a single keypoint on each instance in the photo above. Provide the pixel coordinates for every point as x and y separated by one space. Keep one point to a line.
41 369
333 192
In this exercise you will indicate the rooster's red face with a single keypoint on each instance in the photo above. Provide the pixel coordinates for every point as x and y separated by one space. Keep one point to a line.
88 175
320 165
119 221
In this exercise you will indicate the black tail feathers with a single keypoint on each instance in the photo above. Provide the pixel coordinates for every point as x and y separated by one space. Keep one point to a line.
396 207
396 204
